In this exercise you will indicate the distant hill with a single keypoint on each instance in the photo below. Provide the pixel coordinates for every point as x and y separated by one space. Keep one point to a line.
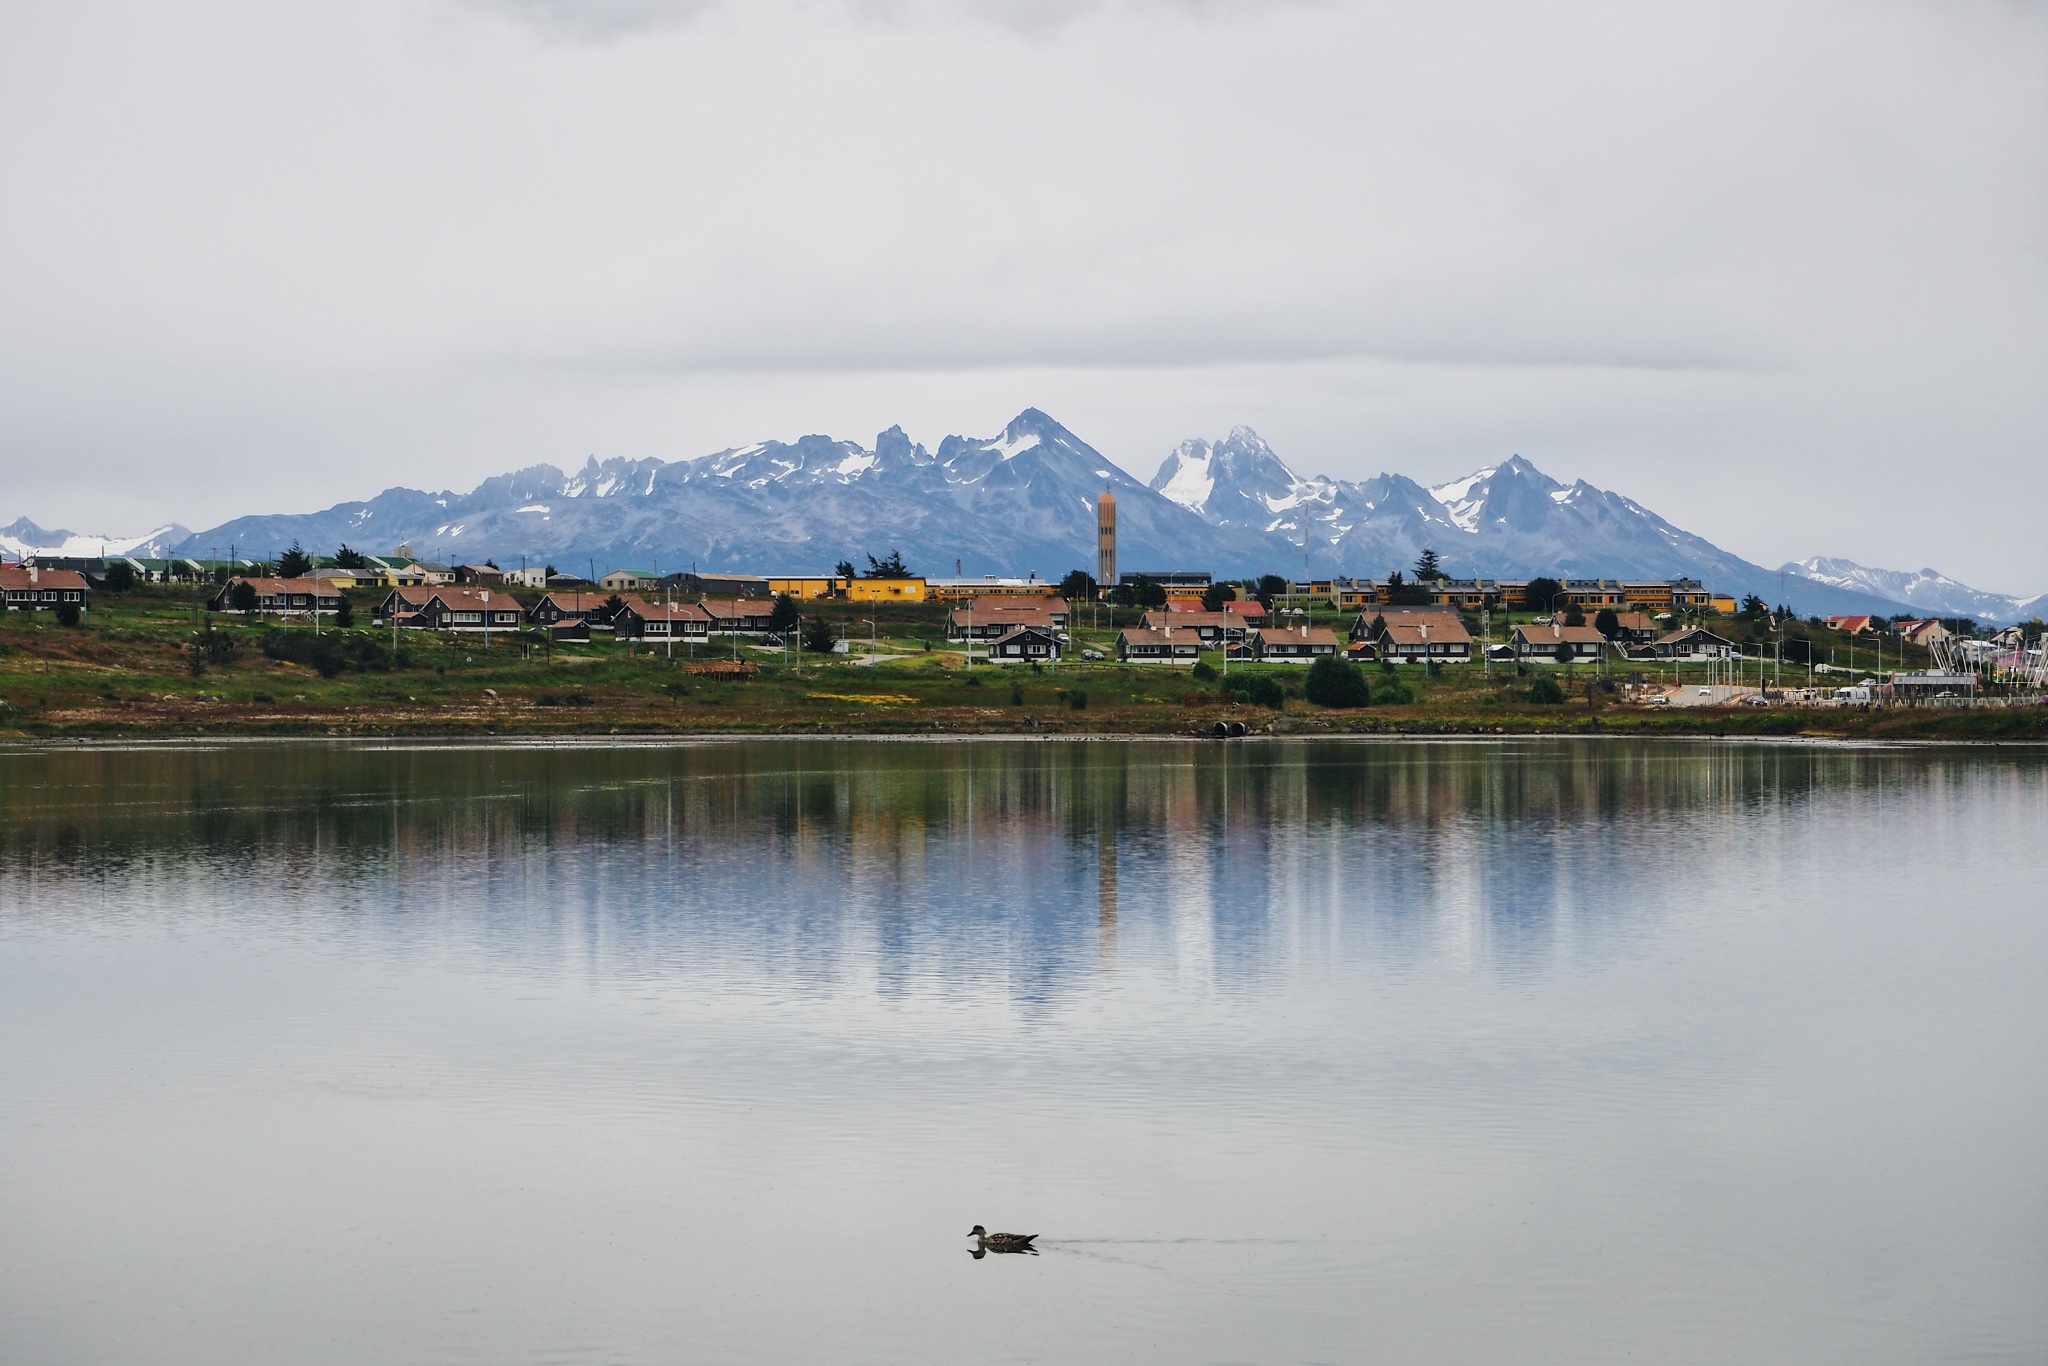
1023 501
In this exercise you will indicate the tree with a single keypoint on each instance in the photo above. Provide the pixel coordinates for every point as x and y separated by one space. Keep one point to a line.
1541 594
613 605
1271 586
1573 616
294 563
1754 608
783 619
1378 627
845 570
890 566
1607 623
1401 593
818 637
1204 671
1334 682
1078 586
1215 595
1429 567
1545 689
1563 653
345 614
120 576
1148 593
242 597
346 558
67 614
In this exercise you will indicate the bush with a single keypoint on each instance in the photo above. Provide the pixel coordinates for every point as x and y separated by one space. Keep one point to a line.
120 576
1545 689
1334 682
1263 689
1204 671
1077 699
1016 694
1392 693
329 654
210 647
67 614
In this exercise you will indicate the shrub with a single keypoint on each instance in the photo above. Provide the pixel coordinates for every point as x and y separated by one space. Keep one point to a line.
1392 693
1077 699
1334 682
1263 689
1016 694
120 576
1204 671
1545 689
67 614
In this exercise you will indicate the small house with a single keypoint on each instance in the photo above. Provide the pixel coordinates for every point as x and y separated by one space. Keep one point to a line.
33 589
1539 642
1294 644
1138 645
1034 644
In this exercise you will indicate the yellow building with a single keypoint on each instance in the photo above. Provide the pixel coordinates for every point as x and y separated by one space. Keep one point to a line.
885 590
962 590
807 586
1725 606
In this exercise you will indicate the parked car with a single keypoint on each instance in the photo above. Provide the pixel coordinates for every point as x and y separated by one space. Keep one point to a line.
1093 654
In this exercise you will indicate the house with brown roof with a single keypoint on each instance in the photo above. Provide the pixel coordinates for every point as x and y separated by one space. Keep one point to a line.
281 596
31 589
1423 640
1212 627
1850 626
1440 620
1294 644
1020 602
1695 643
1537 642
1140 645
451 609
978 621
639 619
559 606
738 616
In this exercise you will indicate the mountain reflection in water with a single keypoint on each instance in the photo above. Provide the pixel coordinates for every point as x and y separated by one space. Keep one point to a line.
1403 1051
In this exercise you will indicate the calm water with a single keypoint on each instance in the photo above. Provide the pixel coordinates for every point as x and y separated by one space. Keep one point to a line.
1493 1052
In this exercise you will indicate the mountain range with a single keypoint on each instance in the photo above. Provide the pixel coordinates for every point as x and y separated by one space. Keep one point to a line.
1024 501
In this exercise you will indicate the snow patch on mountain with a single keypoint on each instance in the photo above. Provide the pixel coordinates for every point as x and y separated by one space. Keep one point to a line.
23 537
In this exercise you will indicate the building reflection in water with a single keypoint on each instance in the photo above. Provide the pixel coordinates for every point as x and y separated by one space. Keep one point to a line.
903 867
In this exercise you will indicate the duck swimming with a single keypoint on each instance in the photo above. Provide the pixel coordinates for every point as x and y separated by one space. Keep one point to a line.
1001 1242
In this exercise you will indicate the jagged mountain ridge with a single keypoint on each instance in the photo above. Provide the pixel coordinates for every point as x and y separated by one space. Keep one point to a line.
1022 501
1019 502
1928 591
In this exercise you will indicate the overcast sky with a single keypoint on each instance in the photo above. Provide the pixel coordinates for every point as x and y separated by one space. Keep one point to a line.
1778 270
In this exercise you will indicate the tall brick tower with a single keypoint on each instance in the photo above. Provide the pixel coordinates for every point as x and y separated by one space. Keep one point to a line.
1105 542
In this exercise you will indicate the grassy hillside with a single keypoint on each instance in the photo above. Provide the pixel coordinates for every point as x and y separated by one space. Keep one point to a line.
152 663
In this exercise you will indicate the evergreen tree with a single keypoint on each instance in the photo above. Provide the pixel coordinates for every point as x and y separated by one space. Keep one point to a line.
1429 567
1607 623
294 563
1078 586
783 619
890 566
818 637
1541 594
